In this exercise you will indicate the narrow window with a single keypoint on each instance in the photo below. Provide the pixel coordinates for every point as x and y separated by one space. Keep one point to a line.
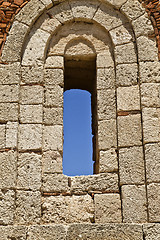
80 118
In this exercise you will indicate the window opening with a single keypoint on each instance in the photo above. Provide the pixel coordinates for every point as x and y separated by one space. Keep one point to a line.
80 98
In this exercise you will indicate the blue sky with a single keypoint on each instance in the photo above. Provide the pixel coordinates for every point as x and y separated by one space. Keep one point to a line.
77 147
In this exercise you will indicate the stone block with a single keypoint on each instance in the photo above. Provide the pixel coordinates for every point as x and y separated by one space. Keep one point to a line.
107 134
9 93
57 232
152 156
29 171
106 104
7 207
127 74
55 183
54 77
53 138
12 52
13 232
133 9
122 35
128 98
143 26
31 113
105 59
108 161
116 3
31 95
150 94
151 53
105 231
8 169
108 17
134 204
30 136
9 111
53 116
151 124
28 207
53 96
107 208
125 53
84 10
129 130
10 74
32 75
151 231
66 209
62 12
2 135
54 62
52 162
35 50
131 166
150 72
104 182
154 202
11 134
105 78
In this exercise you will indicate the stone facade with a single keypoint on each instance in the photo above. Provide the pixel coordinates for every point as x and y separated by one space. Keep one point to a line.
120 201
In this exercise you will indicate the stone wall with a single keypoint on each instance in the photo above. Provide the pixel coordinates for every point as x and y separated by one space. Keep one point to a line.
122 200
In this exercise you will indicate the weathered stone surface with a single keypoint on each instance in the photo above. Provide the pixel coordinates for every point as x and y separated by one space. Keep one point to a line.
53 138
129 130
54 77
151 231
107 134
128 98
10 74
55 183
53 96
28 207
105 232
105 60
108 17
150 94
131 166
104 182
30 136
126 74
154 202
108 161
134 204
12 52
150 72
57 232
53 116
8 169
143 26
66 209
7 198
133 9
2 135
31 113
11 134
9 111
105 78
31 95
106 104
54 62
52 162
107 208
151 53
31 75
29 171
125 53
13 232
9 93
152 156
151 124
122 35
117 3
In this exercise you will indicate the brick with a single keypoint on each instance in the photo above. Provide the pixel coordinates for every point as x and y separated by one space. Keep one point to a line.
150 94
126 74
31 95
13 232
2 136
133 9
31 75
9 93
52 137
122 35
108 161
151 53
125 53
53 116
52 162
54 62
150 72
9 111
55 183
31 113
54 77
154 202
105 78
53 96
105 60
11 134
10 74
7 207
